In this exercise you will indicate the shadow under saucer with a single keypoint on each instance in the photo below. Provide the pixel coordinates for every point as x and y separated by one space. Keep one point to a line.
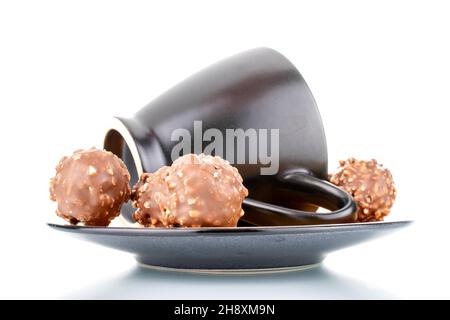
145 283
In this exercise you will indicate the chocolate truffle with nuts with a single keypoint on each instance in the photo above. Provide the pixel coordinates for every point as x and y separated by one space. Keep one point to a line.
195 191
90 187
371 186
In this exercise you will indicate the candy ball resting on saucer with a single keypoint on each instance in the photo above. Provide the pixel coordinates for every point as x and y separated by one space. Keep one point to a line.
90 187
371 186
196 191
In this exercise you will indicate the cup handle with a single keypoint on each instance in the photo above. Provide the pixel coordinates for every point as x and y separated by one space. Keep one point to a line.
320 193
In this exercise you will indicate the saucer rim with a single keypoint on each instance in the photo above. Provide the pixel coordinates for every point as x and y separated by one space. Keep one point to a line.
228 230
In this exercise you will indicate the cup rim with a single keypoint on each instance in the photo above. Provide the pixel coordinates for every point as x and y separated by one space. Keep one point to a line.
117 125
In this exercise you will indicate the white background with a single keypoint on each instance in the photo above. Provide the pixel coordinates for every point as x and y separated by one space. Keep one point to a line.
379 71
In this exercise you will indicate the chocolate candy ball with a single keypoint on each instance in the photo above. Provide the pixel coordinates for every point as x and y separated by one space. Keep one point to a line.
90 187
371 186
196 191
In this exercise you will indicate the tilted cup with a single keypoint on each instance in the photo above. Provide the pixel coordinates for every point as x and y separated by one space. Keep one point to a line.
262 110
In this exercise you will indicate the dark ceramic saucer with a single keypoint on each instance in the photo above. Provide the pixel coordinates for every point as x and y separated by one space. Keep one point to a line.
241 249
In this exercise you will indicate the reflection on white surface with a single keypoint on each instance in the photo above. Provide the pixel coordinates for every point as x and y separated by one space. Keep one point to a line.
144 283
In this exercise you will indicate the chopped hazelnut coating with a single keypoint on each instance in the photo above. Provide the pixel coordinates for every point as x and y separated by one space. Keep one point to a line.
196 191
371 186
90 187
